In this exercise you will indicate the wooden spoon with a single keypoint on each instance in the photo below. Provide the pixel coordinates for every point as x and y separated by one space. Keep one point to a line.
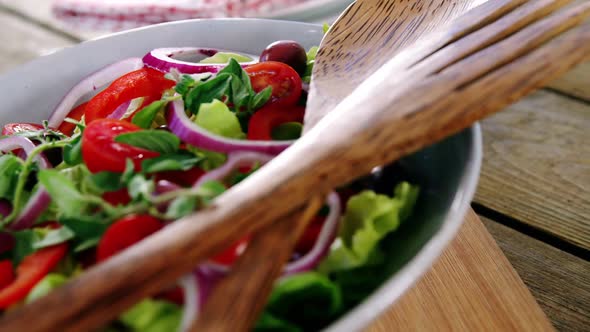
226 310
444 91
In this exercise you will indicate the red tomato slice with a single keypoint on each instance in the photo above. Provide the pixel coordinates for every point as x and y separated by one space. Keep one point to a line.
310 236
118 197
231 254
76 114
145 82
284 80
100 151
126 232
6 273
264 120
13 128
30 271
181 178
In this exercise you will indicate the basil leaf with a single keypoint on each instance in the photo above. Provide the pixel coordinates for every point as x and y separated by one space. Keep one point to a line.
287 131
261 98
211 189
140 188
10 169
53 237
186 83
107 181
73 151
181 206
214 88
87 229
233 67
23 245
154 140
129 171
63 192
87 244
170 162
145 117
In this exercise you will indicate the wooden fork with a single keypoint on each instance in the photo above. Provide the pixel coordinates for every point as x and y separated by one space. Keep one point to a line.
483 63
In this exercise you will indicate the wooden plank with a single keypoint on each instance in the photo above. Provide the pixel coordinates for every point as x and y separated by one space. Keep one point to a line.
23 41
575 83
559 281
472 287
536 165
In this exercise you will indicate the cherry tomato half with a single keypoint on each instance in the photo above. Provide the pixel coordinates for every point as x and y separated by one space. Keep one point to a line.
126 232
13 128
284 80
229 255
145 82
181 178
100 151
76 114
30 271
265 119
310 236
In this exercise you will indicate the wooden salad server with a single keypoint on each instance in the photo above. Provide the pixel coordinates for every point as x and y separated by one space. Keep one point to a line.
444 82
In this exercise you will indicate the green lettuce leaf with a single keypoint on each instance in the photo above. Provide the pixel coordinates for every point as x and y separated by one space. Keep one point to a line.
224 57
153 316
45 286
369 217
308 300
218 119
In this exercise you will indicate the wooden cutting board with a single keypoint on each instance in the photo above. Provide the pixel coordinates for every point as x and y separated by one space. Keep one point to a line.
472 287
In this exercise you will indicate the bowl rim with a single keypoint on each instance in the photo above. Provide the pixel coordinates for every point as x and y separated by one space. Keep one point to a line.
413 271
402 280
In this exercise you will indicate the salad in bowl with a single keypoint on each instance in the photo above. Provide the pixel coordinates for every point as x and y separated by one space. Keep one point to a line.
148 139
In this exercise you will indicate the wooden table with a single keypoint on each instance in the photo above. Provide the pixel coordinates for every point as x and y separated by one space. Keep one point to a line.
534 191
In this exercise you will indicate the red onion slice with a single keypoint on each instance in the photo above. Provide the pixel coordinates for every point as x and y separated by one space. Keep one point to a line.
19 142
163 60
190 285
40 200
34 208
91 83
193 134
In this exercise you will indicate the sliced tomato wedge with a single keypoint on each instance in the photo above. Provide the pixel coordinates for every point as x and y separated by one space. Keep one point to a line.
310 236
264 120
284 80
30 271
181 178
13 128
126 232
100 151
118 197
6 273
76 114
146 82
231 254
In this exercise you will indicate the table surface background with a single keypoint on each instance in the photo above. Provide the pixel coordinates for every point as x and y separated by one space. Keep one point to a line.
534 191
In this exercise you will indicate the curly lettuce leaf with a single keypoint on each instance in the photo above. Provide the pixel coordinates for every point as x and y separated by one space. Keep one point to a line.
369 217
218 119
308 300
153 316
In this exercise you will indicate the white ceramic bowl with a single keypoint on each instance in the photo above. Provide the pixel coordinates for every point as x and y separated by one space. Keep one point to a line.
447 172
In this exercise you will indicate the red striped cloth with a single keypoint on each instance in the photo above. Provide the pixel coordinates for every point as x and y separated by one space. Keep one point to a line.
116 15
